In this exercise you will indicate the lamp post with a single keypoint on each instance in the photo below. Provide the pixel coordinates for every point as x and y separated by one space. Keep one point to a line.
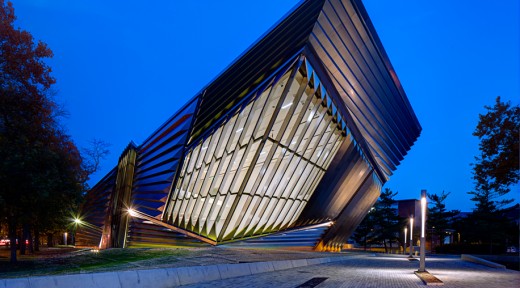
423 228
411 237
405 234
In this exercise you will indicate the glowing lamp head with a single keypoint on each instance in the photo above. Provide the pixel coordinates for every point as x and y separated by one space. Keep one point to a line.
132 212
423 215
77 221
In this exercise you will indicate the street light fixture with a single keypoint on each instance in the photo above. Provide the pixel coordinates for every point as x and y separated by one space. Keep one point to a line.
411 237
422 263
405 234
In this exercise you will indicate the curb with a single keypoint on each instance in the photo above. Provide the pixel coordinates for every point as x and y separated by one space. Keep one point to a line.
162 277
481 261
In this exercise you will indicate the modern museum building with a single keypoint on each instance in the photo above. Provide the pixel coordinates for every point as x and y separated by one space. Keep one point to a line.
289 146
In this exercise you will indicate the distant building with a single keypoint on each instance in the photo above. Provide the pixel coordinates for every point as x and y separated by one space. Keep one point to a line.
410 208
291 144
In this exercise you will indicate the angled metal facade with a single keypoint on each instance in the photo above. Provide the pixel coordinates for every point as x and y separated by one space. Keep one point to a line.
300 132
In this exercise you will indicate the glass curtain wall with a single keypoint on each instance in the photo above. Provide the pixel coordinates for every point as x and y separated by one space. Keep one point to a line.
255 173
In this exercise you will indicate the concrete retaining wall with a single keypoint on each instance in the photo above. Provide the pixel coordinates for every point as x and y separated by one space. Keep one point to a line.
481 261
161 278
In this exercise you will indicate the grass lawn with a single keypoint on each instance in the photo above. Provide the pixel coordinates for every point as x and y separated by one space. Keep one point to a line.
66 260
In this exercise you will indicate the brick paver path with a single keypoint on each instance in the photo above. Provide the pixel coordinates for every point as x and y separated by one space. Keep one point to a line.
379 271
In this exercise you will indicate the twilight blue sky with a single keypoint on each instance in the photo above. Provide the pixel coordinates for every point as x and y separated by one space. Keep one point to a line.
124 67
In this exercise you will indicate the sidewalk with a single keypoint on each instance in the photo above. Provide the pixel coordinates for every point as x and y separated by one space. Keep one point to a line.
202 265
379 270
233 267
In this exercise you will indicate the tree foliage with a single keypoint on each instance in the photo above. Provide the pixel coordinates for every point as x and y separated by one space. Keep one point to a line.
496 170
382 224
365 233
93 155
439 219
41 172
497 167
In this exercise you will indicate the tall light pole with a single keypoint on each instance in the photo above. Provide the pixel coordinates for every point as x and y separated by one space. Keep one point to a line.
423 234
411 237
405 234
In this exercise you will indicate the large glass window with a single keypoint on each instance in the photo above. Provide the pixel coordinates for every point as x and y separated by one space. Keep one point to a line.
255 173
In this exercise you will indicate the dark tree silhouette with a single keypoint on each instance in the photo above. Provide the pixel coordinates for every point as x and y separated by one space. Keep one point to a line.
497 167
365 233
382 224
41 174
496 170
439 219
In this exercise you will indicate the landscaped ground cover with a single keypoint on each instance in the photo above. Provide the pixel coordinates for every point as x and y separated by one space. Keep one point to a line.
71 260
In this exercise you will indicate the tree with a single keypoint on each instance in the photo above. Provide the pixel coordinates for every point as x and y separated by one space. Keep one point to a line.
388 220
439 219
365 231
382 224
41 173
93 155
496 170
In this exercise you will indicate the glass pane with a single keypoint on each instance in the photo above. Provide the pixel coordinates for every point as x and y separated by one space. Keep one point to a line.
285 108
224 214
260 169
185 163
265 216
299 209
304 171
210 177
240 128
189 209
275 213
193 158
242 170
213 145
215 209
294 120
226 134
206 210
182 209
220 176
284 213
270 107
202 153
237 214
246 219
258 214
290 214
271 179
196 211
176 208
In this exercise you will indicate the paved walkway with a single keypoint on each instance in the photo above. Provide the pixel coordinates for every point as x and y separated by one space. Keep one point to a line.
379 271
